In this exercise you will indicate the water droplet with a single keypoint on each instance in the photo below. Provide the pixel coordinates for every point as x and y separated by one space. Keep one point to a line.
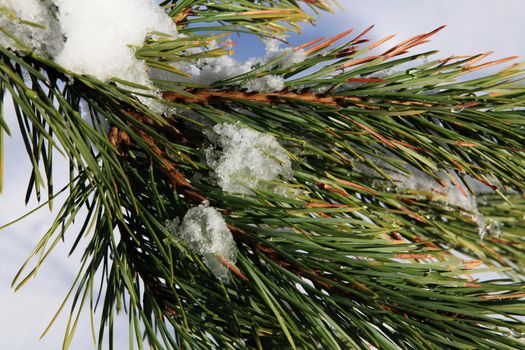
495 228
490 226
482 232
412 71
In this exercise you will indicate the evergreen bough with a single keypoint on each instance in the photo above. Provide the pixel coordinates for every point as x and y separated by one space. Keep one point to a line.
354 260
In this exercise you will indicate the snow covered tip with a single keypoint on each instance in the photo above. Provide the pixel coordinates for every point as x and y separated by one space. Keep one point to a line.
246 159
204 231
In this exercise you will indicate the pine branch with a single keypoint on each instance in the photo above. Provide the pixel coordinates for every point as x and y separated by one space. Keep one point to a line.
268 18
354 257
211 97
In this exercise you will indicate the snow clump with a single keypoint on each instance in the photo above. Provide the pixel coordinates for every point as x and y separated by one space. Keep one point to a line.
246 159
101 36
273 82
95 37
212 69
204 231
274 51
267 83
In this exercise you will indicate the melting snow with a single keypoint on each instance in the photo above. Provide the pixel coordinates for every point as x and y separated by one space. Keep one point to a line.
246 159
204 231
267 83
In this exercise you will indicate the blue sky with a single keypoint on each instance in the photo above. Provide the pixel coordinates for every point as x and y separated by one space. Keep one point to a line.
474 26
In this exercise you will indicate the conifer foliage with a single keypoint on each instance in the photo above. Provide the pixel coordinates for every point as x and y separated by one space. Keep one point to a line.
340 194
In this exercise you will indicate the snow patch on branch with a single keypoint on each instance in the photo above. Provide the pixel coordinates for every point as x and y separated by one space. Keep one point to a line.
452 194
245 160
267 83
279 58
219 68
96 37
213 69
204 231
101 36
284 58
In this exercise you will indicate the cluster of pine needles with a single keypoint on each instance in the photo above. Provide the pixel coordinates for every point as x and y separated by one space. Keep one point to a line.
353 261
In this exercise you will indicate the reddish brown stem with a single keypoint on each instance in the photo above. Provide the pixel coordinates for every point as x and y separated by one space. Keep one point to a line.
206 97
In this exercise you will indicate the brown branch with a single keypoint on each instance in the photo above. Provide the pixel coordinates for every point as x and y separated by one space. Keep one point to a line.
168 168
207 97
234 269
120 140
182 16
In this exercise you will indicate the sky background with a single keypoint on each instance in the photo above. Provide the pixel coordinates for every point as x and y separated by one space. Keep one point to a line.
474 26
